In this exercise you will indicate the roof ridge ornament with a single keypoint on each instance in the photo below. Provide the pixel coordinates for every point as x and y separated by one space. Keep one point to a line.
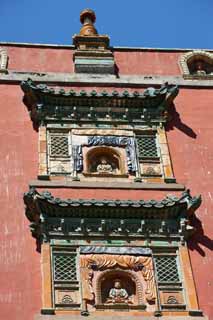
88 18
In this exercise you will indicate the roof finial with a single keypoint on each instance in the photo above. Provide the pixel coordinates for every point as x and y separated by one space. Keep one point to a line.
87 18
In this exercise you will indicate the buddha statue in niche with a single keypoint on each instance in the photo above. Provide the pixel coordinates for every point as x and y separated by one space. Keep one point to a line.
199 68
104 166
117 294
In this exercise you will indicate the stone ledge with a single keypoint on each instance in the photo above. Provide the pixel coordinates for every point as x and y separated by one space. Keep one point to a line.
112 317
103 80
106 185
115 48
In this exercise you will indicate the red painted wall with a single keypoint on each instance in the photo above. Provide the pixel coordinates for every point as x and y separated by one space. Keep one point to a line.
44 59
190 141
20 293
40 59
156 63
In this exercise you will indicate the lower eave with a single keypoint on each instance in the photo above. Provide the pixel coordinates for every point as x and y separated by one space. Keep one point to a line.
171 207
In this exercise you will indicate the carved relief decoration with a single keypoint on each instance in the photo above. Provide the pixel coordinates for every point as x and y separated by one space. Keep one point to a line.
102 132
3 60
172 300
67 297
89 264
77 157
107 141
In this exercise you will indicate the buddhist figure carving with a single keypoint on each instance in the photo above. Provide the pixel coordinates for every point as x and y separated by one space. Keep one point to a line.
117 294
104 166
199 68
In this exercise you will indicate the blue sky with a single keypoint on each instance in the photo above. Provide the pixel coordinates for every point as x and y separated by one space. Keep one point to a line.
134 23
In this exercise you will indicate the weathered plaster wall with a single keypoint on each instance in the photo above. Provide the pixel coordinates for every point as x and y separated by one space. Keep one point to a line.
161 63
40 59
19 261
190 141
44 59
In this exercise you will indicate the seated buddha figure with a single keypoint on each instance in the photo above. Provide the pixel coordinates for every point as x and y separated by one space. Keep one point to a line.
199 68
104 166
117 294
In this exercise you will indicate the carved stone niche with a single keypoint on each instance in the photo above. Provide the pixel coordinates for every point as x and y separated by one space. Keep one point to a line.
129 295
200 67
197 63
104 161
118 282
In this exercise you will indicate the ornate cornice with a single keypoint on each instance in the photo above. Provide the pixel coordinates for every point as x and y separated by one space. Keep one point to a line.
54 216
44 103
171 206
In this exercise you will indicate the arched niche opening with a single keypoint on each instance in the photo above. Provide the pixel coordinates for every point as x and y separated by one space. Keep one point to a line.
119 287
200 65
104 161
197 63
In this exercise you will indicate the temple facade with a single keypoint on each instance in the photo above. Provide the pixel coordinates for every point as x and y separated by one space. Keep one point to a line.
106 166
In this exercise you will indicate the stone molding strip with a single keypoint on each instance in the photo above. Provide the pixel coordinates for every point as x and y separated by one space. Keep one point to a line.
127 81
112 317
106 185
115 48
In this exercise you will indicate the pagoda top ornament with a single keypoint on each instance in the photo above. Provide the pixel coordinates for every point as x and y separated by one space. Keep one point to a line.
87 18
93 53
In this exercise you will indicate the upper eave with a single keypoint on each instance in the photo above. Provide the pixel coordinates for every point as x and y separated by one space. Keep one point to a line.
45 103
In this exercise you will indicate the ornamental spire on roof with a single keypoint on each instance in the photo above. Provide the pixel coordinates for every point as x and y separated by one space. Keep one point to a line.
87 18
93 54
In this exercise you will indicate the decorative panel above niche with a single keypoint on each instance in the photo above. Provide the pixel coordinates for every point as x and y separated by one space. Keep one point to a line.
92 54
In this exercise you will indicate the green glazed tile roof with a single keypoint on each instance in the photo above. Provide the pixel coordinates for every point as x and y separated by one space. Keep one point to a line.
45 103
171 206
